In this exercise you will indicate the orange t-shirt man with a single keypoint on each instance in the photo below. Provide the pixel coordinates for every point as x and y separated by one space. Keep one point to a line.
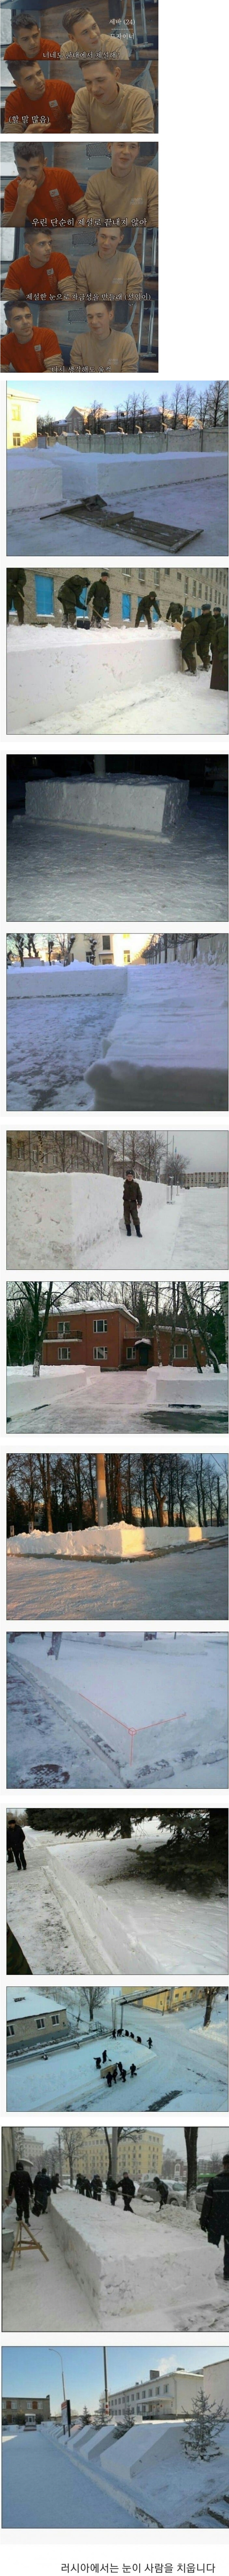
45 51
29 357
37 281
53 108
54 198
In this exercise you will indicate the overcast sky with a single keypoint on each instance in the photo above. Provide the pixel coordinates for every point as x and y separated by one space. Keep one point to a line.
216 2138
37 2371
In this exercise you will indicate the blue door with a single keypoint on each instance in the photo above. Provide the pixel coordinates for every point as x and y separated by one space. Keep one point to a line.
44 594
82 603
126 604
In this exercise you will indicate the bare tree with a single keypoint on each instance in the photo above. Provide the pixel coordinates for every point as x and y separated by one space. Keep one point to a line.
189 400
191 2136
33 1290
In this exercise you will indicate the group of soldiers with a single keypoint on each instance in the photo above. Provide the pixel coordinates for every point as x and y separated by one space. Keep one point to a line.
202 636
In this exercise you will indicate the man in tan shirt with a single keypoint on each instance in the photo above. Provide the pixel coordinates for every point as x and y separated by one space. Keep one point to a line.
86 40
108 105
110 270
127 191
113 352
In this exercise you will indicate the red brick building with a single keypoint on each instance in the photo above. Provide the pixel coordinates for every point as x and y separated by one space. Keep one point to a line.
110 1337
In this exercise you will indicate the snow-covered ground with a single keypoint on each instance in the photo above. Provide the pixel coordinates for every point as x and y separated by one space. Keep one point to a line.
76 1219
97 1907
52 2483
189 1585
65 683
100 1710
142 1032
184 493
62 869
106 2268
85 1397
177 2060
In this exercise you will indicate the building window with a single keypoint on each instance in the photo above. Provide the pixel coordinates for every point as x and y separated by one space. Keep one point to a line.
64 1354
44 594
100 1326
106 940
21 1153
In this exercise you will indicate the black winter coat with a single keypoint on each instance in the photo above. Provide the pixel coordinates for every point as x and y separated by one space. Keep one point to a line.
215 2212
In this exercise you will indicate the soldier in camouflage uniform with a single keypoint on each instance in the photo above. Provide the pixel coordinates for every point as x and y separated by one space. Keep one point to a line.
205 634
70 596
144 608
100 594
15 585
173 612
188 640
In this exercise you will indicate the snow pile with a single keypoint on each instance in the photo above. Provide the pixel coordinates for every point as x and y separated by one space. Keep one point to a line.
76 1219
98 1710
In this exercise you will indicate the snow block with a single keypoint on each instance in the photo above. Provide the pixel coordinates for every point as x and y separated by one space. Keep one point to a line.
108 2262
26 483
54 671
112 804
117 1540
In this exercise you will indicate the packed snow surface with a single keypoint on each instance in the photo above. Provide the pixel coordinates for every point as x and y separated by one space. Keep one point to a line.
106 2267
76 1219
98 1710
97 1907
49 2484
62 683
191 1583
62 1397
61 869
177 2060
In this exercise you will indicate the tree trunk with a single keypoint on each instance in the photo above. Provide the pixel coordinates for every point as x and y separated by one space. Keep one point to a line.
191 2136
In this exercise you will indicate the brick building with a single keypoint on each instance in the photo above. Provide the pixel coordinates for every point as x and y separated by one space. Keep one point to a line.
127 585
26 2410
106 1335
109 1337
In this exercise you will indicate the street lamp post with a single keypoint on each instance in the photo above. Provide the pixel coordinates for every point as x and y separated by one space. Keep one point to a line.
105 2380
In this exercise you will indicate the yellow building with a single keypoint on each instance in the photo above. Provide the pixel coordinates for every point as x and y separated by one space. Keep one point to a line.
21 419
162 1998
139 2153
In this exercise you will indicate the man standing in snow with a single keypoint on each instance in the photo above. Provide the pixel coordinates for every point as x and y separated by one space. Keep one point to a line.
15 1842
188 641
132 1201
20 2187
144 608
15 586
214 2218
205 635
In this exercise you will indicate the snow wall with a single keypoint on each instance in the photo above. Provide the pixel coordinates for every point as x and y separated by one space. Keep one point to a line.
114 1541
51 669
42 479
